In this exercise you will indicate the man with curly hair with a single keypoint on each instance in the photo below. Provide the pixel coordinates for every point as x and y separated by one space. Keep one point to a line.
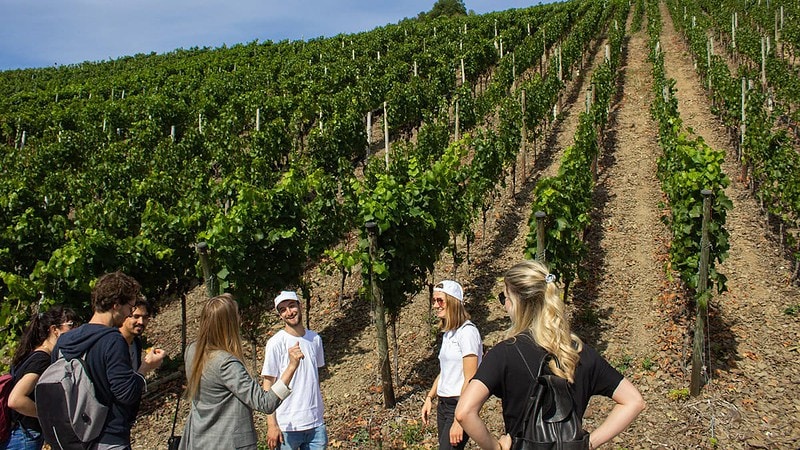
117 385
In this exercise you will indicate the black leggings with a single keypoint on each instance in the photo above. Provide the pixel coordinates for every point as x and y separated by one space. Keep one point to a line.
445 414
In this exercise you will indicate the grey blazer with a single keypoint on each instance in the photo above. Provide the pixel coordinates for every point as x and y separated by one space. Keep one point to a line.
221 414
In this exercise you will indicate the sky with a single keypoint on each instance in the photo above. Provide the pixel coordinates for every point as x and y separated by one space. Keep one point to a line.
46 33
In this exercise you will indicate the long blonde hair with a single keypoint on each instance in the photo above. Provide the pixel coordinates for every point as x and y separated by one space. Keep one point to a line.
218 330
539 309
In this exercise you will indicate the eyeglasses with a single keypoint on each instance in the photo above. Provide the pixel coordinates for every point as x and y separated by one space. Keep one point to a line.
502 298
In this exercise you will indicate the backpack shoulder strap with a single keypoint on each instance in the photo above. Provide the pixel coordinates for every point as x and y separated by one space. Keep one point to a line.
520 427
542 363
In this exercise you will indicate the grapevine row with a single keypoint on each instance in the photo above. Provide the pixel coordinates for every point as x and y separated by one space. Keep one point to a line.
769 159
566 199
687 167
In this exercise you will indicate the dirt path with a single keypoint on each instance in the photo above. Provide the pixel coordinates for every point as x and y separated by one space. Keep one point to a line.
617 304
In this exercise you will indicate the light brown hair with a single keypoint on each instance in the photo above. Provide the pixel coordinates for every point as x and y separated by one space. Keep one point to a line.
218 331
454 313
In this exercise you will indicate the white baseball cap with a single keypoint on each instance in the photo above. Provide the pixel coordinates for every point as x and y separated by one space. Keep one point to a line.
285 295
450 288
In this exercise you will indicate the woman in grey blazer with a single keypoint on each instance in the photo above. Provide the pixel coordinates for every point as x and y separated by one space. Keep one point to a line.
223 395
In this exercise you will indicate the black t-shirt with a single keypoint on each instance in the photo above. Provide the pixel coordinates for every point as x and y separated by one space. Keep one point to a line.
35 363
504 373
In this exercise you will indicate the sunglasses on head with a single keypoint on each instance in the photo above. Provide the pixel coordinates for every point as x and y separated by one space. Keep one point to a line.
502 298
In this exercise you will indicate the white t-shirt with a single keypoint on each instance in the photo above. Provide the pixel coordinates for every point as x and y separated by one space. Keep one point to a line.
456 344
303 409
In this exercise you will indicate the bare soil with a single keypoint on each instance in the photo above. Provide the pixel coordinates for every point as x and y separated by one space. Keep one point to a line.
629 306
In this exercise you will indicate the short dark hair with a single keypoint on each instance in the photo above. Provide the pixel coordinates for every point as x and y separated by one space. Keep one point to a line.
142 301
114 288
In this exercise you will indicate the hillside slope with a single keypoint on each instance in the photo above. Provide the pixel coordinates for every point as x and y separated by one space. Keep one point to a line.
628 307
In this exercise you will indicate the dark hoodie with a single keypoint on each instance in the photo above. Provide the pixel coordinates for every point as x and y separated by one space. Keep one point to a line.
115 382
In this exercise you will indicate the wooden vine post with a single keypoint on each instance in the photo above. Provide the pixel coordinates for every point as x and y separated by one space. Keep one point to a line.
389 400
183 324
743 130
524 139
561 79
763 62
386 135
208 275
456 121
369 135
702 301
540 253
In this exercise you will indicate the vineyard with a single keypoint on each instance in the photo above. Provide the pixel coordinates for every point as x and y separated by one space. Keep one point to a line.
648 151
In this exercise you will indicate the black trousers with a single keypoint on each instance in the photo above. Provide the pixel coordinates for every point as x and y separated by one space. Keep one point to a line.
445 415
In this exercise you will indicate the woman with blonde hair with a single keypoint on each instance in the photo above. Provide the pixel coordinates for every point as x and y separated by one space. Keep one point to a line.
539 327
223 395
459 358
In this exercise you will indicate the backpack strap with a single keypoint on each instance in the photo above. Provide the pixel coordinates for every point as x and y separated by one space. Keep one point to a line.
520 426
542 363
102 333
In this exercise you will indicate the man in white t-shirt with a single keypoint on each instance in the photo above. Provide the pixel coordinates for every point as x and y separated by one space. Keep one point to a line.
297 424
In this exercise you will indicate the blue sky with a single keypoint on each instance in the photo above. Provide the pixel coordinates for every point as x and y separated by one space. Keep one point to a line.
40 33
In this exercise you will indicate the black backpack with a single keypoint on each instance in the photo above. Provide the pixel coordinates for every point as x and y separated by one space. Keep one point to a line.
551 420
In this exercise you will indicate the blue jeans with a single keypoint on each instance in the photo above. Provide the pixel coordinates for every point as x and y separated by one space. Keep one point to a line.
22 439
313 439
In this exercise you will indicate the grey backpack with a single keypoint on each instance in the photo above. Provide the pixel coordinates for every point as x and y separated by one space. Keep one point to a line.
69 412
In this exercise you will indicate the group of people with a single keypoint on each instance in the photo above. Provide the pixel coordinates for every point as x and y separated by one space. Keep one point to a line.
467 377
110 343
223 395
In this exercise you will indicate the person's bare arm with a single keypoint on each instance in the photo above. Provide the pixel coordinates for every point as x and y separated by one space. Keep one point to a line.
18 399
274 436
468 415
470 366
427 404
629 404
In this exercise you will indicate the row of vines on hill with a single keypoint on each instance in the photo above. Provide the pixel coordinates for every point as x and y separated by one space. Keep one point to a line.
566 199
692 178
755 103
687 167
95 178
